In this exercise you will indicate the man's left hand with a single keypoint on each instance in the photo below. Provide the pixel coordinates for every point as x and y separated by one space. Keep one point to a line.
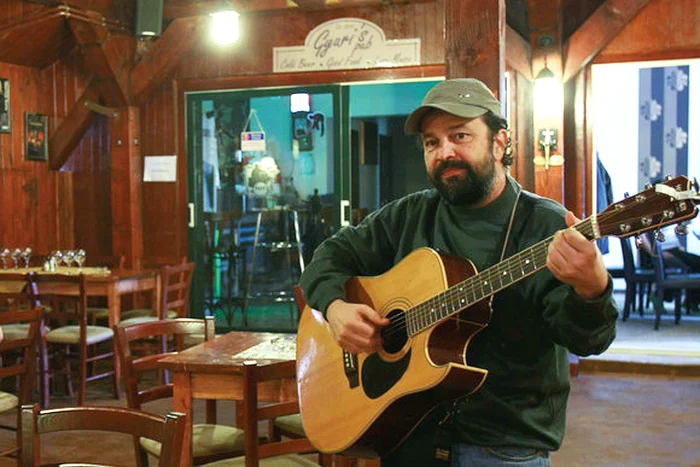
575 260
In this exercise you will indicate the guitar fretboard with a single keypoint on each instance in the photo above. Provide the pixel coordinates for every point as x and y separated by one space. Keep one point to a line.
487 283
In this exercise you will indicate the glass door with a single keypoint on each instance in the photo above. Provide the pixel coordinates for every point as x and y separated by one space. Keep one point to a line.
268 181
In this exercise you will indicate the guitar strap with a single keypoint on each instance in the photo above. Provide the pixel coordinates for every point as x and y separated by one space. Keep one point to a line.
522 209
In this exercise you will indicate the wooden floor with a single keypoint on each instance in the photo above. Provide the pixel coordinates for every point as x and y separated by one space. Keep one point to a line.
634 417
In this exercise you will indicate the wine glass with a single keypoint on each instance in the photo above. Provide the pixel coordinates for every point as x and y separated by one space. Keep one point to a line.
79 257
26 255
4 254
68 257
56 257
16 256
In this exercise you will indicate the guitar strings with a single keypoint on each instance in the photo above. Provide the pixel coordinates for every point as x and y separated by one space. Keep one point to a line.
423 315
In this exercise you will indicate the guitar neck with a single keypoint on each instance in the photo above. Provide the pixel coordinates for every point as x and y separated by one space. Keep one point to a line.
488 282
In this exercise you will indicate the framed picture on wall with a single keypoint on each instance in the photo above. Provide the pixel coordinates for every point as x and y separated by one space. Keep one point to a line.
4 105
37 129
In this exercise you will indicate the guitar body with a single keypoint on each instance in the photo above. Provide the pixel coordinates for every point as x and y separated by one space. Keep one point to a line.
367 404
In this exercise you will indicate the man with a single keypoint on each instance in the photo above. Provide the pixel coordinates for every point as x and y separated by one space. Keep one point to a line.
478 212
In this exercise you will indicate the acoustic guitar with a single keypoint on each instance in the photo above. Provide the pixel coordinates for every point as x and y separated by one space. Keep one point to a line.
367 404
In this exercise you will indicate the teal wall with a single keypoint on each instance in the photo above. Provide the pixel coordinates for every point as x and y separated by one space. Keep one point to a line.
376 100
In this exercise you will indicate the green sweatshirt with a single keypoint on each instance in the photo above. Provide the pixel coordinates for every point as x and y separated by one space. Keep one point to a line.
535 324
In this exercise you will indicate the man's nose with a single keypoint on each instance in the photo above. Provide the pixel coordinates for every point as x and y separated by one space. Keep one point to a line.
446 151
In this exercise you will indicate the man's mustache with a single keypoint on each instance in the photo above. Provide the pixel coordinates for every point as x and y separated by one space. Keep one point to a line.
443 166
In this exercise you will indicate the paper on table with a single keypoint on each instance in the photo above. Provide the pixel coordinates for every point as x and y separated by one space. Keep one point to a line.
279 348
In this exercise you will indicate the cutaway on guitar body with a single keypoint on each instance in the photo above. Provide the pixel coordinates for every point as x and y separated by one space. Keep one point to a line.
367 404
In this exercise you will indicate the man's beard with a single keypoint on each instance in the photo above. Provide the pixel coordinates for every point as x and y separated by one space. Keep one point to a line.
466 190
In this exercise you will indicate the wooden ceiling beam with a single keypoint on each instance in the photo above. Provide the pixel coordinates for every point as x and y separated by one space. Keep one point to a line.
178 39
518 53
597 32
545 24
101 61
71 130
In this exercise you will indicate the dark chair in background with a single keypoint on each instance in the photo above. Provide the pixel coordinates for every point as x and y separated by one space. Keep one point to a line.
168 430
675 281
638 280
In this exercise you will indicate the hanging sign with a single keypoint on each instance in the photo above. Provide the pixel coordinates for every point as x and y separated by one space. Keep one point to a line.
253 141
346 43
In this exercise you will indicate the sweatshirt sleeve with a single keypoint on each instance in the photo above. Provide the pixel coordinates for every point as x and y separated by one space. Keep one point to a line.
366 250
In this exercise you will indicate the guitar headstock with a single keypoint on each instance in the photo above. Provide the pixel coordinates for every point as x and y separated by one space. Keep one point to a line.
665 203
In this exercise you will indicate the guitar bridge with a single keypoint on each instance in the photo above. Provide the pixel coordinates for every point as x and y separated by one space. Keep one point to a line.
350 364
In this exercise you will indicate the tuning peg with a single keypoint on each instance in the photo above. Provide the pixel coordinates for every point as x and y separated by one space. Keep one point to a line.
648 185
682 228
626 194
659 235
695 185
668 177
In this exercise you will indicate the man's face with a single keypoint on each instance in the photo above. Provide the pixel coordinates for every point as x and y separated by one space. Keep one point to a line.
460 158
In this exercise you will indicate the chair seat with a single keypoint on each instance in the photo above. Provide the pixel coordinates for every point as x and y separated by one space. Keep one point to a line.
144 312
291 424
8 401
138 320
289 460
207 440
13 332
71 335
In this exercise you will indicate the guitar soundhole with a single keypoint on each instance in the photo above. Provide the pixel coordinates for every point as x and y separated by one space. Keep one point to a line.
394 336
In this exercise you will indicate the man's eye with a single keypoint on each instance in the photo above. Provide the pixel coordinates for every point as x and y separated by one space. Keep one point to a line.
429 143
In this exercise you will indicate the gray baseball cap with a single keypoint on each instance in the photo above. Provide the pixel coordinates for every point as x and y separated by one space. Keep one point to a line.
463 97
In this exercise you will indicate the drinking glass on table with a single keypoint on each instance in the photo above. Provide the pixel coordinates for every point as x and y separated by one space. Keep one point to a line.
16 256
26 256
68 257
4 254
79 257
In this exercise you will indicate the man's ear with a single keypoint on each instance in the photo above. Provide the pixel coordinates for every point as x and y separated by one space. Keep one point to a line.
500 143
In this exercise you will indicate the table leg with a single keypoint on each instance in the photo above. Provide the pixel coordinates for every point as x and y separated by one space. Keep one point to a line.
182 402
114 304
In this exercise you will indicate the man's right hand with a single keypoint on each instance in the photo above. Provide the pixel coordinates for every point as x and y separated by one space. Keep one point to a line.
355 326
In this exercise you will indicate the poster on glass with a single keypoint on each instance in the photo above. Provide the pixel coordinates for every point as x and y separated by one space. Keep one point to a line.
4 105
37 135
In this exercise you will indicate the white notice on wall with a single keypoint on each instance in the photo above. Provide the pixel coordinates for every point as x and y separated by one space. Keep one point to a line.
160 169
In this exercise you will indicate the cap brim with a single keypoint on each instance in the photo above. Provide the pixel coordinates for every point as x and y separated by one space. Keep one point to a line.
413 122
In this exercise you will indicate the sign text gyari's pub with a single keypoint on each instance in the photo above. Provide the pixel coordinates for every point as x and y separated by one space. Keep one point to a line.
346 43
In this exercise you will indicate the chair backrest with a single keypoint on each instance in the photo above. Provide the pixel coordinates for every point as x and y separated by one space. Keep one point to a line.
18 290
627 258
168 429
135 366
253 413
25 346
175 281
69 289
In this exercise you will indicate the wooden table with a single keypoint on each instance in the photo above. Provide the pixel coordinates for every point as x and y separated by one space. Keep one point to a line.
103 283
213 370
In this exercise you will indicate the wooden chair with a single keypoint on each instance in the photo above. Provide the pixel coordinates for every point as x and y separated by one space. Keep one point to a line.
70 337
210 441
19 292
267 453
19 360
168 430
97 306
175 283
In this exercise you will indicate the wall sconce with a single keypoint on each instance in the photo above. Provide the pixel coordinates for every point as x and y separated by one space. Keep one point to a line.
548 143
225 26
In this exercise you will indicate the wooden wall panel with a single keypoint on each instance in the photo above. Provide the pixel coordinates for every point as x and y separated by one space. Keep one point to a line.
38 205
664 29
164 204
